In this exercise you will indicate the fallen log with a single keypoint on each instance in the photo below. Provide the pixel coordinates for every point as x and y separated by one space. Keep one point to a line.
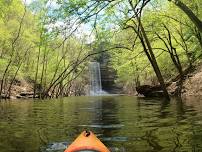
150 91
156 91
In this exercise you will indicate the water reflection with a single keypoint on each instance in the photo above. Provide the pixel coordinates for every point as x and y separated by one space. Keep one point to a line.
104 121
122 123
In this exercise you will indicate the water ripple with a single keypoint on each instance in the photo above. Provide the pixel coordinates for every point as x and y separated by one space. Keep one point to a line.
103 126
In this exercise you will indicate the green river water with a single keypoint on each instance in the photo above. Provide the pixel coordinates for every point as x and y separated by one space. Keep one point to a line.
123 123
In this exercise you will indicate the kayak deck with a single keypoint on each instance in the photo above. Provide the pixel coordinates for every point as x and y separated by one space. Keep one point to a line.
87 142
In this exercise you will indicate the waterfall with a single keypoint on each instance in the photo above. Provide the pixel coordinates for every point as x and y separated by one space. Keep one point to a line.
95 79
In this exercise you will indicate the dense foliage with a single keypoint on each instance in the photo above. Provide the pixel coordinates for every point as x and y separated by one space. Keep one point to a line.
33 48
134 68
147 41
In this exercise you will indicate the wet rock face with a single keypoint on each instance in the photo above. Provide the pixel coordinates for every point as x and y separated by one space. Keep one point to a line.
108 74
108 77
3 96
26 95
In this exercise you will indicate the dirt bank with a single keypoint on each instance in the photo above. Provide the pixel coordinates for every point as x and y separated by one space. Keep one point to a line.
20 89
193 84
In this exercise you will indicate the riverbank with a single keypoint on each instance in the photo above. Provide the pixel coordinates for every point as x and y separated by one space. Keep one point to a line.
20 89
24 89
192 86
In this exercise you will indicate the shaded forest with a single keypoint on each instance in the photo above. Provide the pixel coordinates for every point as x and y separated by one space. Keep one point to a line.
46 45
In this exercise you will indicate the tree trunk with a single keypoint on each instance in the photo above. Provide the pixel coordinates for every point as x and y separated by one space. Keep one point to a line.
5 72
37 68
189 13
42 72
16 72
153 61
13 50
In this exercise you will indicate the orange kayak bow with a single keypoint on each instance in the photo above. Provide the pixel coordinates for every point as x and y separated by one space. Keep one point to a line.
87 141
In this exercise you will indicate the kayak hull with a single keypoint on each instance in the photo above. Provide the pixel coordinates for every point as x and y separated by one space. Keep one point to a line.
87 141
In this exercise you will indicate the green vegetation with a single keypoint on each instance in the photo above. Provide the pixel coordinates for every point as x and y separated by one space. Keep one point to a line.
32 50
148 41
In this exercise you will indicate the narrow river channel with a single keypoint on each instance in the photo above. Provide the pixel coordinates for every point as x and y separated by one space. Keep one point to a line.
123 123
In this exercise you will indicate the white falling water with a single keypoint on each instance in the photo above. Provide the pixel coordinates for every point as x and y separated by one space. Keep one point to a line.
95 79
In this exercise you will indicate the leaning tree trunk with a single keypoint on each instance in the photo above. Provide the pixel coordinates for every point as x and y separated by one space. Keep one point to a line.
147 47
189 13
37 70
153 61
